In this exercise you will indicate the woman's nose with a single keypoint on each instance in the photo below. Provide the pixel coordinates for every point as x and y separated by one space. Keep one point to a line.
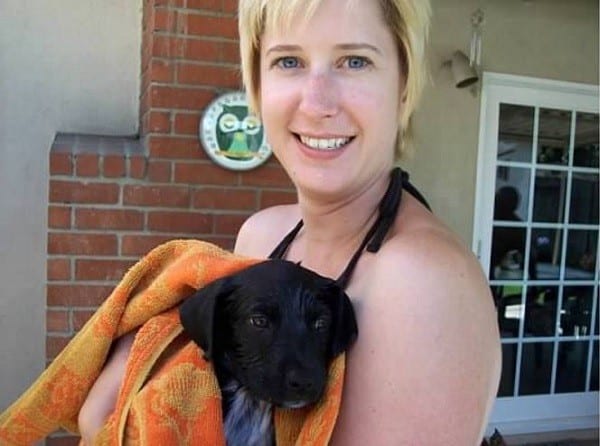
319 96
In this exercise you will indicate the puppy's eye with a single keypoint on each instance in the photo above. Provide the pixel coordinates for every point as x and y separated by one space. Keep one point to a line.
259 321
321 324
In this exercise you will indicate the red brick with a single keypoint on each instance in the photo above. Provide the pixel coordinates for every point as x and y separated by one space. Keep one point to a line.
165 20
159 171
58 269
80 192
61 163
189 74
87 165
270 198
202 25
108 219
187 123
168 46
203 173
159 122
159 196
180 222
80 317
266 176
77 295
224 198
59 217
161 71
213 5
113 166
230 6
226 242
94 269
137 167
55 344
139 245
175 148
230 52
82 244
229 224
57 321
180 98
202 50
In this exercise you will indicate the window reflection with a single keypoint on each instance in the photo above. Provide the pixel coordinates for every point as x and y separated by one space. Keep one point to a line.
584 199
572 366
550 194
540 311
536 368
509 365
553 136
586 140
546 251
510 309
581 254
576 311
515 133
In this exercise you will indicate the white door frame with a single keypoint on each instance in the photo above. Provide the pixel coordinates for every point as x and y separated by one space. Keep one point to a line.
541 413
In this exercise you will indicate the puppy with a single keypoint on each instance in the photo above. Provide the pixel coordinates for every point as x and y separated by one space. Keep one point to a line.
271 331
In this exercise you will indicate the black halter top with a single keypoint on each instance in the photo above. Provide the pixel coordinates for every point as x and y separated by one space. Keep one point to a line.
388 208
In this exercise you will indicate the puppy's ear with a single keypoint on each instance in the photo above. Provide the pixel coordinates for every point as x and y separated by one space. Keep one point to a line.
198 314
344 329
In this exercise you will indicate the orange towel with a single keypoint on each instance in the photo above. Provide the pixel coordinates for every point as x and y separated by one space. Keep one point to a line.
170 395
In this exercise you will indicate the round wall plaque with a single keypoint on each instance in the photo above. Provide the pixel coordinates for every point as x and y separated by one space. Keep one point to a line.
232 137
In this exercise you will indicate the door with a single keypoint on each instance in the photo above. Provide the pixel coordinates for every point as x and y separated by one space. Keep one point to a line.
536 234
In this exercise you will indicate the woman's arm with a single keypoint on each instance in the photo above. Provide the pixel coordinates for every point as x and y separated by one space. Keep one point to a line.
426 365
102 398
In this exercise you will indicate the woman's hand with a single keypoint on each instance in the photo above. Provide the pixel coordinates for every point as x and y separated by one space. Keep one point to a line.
102 397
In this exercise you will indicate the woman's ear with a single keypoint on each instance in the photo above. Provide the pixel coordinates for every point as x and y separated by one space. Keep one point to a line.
198 314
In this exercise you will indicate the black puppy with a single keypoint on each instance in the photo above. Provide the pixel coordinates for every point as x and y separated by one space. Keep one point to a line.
271 331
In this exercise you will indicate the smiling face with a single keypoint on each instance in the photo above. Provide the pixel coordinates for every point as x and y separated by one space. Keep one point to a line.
330 97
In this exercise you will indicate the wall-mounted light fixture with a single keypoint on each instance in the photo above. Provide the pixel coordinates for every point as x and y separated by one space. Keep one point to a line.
465 69
463 73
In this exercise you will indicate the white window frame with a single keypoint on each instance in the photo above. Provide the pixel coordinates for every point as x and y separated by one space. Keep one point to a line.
540 413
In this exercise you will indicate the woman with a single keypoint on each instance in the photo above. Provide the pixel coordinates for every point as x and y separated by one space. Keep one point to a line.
335 83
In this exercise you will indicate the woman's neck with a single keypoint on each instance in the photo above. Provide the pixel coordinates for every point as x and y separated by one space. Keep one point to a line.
333 230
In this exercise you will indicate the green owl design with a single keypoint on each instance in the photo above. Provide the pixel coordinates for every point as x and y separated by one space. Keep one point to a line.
239 135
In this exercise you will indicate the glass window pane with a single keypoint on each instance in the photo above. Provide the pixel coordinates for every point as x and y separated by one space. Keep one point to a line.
586 140
512 193
540 311
515 133
584 199
508 248
510 309
581 254
572 366
546 253
576 314
550 194
509 365
594 377
536 368
553 136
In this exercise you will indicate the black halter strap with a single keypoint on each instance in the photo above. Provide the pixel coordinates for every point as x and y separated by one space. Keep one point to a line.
388 208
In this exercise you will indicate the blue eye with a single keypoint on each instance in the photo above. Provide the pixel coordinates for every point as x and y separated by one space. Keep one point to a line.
287 62
356 62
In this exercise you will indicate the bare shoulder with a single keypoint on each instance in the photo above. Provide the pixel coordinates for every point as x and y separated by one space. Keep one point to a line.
262 231
426 364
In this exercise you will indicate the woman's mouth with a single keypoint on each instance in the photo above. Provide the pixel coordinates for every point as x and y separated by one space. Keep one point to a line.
324 143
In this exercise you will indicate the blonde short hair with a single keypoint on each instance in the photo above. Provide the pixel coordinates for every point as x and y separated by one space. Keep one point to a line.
408 21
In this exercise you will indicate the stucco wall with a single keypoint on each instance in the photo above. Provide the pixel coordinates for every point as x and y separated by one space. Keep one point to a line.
64 66
552 39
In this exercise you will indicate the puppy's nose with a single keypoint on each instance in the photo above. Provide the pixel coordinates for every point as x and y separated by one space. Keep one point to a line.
299 382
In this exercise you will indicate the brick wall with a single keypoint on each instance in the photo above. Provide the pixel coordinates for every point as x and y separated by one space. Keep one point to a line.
112 199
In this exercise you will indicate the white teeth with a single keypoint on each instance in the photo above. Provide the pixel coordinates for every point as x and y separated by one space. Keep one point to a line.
324 144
